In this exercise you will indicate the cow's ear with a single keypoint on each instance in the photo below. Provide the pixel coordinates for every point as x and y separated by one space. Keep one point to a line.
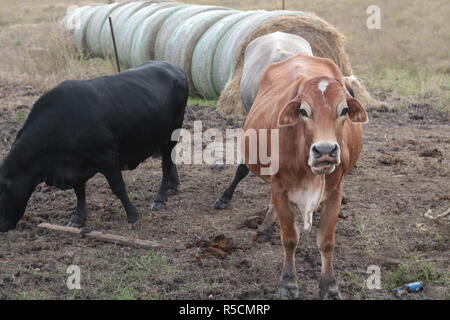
289 114
356 111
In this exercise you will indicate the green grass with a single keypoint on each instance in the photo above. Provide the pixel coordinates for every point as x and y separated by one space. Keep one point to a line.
125 293
30 295
422 87
133 281
202 102
151 262
20 116
414 270
357 284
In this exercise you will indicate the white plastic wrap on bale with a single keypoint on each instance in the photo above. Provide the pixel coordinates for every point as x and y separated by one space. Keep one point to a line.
143 45
95 26
133 25
172 22
228 50
203 56
207 42
106 42
70 20
221 72
180 46
79 33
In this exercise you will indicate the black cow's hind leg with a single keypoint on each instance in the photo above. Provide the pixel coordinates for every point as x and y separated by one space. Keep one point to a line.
118 187
167 167
224 201
174 181
78 220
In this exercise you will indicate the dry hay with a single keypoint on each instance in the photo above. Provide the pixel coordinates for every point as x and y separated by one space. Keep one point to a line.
325 42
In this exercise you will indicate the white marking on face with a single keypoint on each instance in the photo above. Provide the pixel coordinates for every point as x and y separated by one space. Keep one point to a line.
308 199
323 85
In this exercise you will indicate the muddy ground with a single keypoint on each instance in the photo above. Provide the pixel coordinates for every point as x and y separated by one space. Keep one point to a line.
403 171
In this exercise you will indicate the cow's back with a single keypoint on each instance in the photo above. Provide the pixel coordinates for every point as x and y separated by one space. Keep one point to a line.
261 53
81 123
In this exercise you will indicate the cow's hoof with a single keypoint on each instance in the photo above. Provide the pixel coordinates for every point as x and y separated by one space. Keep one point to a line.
132 226
76 224
220 204
288 290
332 293
218 166
262 236
172 192
156 205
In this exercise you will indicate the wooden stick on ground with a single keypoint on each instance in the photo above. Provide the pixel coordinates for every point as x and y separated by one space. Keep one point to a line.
442 215
107 237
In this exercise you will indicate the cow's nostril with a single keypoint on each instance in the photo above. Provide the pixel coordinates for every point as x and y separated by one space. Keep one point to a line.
316 152
334 152
321 149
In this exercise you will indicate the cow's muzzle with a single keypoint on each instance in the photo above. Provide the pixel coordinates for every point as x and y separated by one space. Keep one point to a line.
324 157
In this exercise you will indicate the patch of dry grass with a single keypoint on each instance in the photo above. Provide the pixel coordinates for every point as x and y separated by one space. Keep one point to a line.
34 50
408 58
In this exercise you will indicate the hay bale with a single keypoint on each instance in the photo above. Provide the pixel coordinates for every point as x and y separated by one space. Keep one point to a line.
203 56
171 23
144 40
127 31
180 46
118 17
69 21
210 49
79 33
95 26
324 39
228 49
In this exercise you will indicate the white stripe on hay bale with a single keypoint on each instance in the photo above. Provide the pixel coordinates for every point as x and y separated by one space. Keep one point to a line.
127 23
203 56
106 43
95 26
181 44
172 22
79 33
143 44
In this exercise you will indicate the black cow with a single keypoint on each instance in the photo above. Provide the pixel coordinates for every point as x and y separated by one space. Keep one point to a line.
104 125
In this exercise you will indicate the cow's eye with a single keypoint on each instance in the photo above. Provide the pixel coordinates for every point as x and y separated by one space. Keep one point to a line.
303 112
344 111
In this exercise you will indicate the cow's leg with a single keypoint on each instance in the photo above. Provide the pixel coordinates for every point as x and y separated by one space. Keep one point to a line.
265 230
174 181
326 243
167 166
289 238
78 220
224 201
118 187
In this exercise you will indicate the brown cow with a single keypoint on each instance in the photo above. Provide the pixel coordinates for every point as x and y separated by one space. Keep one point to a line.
320 138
